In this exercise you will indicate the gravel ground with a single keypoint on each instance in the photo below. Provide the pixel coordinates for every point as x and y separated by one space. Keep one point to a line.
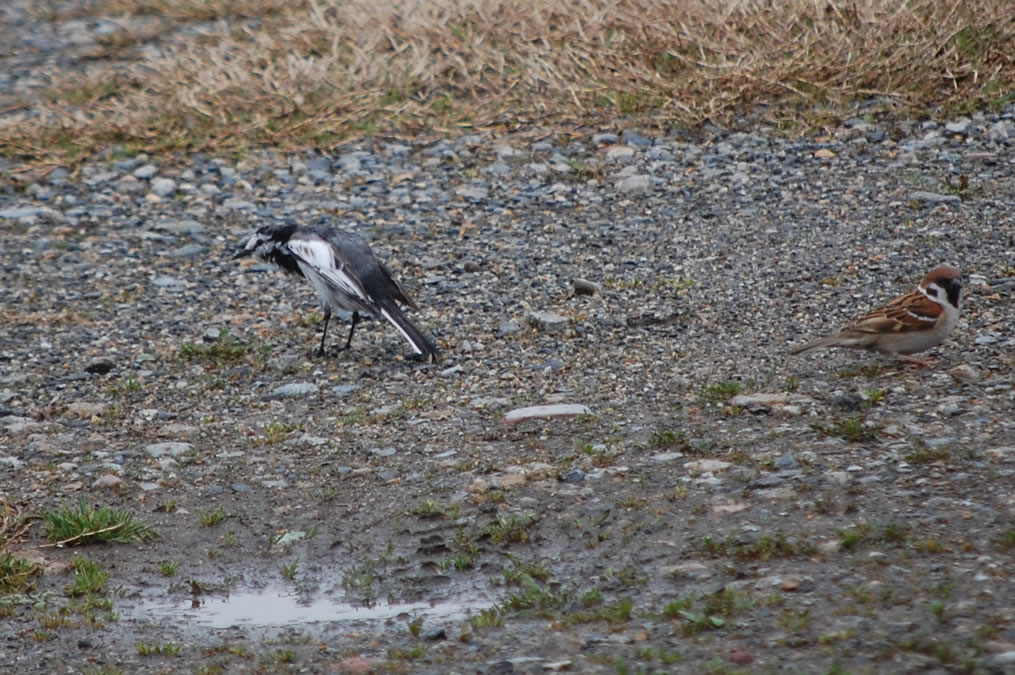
720 507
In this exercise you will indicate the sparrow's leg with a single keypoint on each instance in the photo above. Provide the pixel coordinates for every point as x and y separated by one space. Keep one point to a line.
913 361
355 319
324 334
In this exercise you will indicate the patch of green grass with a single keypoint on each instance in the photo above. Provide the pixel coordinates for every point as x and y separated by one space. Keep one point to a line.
168 568
276 432
210 518
410 654
15 573
660 654
432 508
872 534
490 617
764 547
1006 541
852 428
510 529
289 570
415 626
167 649
668 439
692 621
534 599
613 613
592 598
721 391
226 350
924 454
86 524
88 578
358 578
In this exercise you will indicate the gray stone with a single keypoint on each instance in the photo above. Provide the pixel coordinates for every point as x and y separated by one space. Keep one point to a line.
507 327
933 197
164 187
549 322
1000 132
180 227
959 126
188 251
17 213
636 184
504 151
295 389
473 193
786 462
108 482
546 411
100 365
586 287
965 373
166 282
146 172
170 449
343 389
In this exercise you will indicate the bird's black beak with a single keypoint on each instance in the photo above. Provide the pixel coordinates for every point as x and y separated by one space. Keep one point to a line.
242 253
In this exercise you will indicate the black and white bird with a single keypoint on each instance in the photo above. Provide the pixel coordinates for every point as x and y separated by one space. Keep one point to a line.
344 272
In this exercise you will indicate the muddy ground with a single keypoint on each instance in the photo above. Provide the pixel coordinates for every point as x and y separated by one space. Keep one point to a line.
365 513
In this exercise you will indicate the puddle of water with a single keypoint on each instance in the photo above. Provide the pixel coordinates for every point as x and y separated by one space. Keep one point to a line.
273 607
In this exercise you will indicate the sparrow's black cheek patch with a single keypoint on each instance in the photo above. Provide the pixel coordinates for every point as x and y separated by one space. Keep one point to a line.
931 291
954 290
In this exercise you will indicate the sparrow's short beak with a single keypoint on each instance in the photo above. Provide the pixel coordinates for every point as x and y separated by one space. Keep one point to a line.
242 253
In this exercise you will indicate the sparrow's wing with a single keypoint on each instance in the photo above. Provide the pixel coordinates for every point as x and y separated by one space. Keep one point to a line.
328 262
910 313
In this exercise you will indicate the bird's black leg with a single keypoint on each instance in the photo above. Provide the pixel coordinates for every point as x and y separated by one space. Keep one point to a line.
324 334
355 319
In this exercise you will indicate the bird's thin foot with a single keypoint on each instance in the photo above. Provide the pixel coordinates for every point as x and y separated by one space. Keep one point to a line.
916 362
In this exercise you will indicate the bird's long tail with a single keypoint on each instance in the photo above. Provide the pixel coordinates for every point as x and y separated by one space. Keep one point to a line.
419 342
832 341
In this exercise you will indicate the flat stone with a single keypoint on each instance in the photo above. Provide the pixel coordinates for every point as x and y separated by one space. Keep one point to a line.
166 282
473 193
145 172
761 402
699 466
635 184
108 482
171 449
965 373
85 409
546 411
99 366
17 213
620 153
959 126
188 251
933 197
507 327
294 389
549 322
164 187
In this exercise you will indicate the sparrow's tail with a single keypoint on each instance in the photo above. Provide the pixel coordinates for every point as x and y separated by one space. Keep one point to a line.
844 339
419 342
823 343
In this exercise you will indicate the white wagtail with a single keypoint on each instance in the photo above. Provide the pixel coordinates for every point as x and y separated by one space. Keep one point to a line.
344 272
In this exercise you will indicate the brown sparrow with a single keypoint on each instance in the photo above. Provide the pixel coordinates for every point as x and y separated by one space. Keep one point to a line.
912 323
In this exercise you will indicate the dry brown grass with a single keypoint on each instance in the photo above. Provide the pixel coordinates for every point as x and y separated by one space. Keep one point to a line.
311 72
